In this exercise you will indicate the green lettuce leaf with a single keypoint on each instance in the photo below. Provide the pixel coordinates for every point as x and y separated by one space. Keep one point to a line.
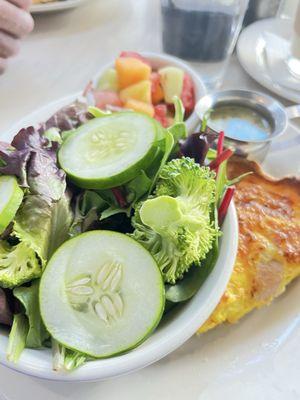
59 224
65 359
113 210
17 338
168 146
88 207
53 135
97 112
43 227
29 298
193 279
223 183
136 188
31 225
178 129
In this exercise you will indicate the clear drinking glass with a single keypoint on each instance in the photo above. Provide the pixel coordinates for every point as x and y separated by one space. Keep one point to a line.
203 31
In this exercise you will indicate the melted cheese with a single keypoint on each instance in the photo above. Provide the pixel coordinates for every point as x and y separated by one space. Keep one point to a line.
269 243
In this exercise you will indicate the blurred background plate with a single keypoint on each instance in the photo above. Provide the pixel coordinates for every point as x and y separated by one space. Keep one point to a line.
55 6
251 53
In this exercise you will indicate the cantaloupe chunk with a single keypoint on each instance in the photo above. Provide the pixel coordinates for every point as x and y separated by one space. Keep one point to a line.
140 91
139 106
131 70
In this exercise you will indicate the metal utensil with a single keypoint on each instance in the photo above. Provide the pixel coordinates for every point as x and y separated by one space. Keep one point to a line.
275 113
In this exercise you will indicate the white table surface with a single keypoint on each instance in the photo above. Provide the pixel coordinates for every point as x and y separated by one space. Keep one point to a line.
255 359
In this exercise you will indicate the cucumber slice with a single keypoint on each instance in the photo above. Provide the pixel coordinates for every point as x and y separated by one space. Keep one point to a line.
101 294
109 151
10 200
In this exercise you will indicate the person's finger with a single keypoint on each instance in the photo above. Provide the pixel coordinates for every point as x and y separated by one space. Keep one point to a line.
25 4
3 64
9 46
14 20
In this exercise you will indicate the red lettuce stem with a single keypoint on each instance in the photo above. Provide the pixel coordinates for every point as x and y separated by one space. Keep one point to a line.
225 204
117 192
220 158
220 143
88 88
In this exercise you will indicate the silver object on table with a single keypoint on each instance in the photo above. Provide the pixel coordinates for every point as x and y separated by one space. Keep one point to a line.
276 114
259 9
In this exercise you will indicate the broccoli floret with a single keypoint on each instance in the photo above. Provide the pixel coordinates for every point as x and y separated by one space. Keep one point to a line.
18 264
176 224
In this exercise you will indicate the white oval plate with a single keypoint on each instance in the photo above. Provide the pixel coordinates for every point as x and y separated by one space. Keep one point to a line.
54 6
251 53
177 327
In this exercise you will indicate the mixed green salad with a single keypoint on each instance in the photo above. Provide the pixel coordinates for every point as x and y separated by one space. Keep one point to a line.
107 220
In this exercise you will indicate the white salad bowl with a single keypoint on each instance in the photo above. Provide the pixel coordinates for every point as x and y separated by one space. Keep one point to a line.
176 327
159 60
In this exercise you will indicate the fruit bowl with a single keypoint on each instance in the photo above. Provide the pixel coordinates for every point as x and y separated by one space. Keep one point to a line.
162 60
176 327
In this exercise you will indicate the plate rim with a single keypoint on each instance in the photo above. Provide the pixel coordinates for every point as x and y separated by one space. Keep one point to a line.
55 6
255 32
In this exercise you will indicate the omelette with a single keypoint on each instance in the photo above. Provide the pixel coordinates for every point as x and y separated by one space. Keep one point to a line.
268 255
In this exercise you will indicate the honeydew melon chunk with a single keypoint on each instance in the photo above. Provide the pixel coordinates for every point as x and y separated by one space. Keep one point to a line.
101 294
171 79
109 80
109 151
11 196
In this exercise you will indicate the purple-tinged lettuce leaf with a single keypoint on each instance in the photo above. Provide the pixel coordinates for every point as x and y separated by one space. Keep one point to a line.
68 118
44 177
5 312
7 232
32 158
14 162
29 139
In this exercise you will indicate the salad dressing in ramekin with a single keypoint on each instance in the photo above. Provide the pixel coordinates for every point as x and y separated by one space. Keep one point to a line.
240 122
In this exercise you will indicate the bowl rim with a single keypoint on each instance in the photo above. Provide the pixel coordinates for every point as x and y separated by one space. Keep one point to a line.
31 362
249 97
200 89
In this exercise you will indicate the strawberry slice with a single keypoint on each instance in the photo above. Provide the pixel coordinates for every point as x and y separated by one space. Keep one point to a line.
160 114
188 95
105 98
133 54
